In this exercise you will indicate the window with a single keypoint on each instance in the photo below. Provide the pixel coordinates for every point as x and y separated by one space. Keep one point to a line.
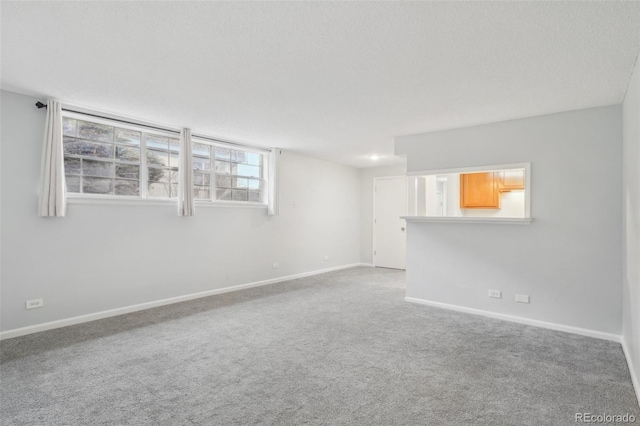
228 173
108 158
476 192
112 159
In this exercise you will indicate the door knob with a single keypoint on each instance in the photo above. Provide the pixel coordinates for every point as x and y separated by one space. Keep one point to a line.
402 228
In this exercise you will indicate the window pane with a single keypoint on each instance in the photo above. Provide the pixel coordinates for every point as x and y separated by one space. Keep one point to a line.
174 160
163 182
127 187
246 170
73 183
223 181
88 149
223 153
201 163
157 142
223 194
254 159
105 159
173 173
97 168
158 175
95 132
255 196
158 157
127 171
254 184
240 183
159 190
201 179
238 156
201 150
68 126
126 153
128 137
72 166
239 195
223 168
97 185
201 193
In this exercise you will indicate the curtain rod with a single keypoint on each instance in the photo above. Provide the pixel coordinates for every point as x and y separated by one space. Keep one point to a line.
41 105
194 135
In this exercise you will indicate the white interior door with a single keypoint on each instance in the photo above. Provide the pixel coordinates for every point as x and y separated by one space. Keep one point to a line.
389 231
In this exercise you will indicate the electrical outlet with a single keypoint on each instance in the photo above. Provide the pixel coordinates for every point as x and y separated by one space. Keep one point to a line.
522 298
275 266
495 293
326 258
35 303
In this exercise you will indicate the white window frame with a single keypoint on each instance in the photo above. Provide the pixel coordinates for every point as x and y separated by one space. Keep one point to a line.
78 198
492 168
123 122
212 181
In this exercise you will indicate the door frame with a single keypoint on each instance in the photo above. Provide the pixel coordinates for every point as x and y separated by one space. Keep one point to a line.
373 211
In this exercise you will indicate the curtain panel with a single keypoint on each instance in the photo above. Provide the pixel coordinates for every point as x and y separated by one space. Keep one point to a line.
186 205
52 195
274 171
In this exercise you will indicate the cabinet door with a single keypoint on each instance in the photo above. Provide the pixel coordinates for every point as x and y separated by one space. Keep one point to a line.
480 190
511 180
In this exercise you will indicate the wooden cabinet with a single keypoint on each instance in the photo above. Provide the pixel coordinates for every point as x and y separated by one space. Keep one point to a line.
484 190
480 190
511 180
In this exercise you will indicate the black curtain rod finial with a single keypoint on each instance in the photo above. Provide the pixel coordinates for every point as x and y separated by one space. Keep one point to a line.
40 105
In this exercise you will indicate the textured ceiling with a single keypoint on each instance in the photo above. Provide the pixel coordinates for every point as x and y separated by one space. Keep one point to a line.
333 80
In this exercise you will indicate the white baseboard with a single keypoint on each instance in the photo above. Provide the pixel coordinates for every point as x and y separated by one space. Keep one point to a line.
536 323
16 332
632 370
368 265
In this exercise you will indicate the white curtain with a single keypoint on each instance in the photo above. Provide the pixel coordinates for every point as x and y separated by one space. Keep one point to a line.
186 205
274 195
52 201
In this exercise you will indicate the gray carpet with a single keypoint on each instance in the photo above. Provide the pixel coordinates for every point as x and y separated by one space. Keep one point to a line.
341 348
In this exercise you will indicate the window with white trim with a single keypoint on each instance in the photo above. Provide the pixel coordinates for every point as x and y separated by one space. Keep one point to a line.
228 173
105 158
502 191
108 158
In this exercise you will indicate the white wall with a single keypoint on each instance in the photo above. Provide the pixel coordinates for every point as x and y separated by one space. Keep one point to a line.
453 195
631 221
430 197
366 197
569 260
103 257
511 205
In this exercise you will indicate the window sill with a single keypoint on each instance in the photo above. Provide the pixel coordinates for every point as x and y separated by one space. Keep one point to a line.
230 204
157 202
498 220
120 201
